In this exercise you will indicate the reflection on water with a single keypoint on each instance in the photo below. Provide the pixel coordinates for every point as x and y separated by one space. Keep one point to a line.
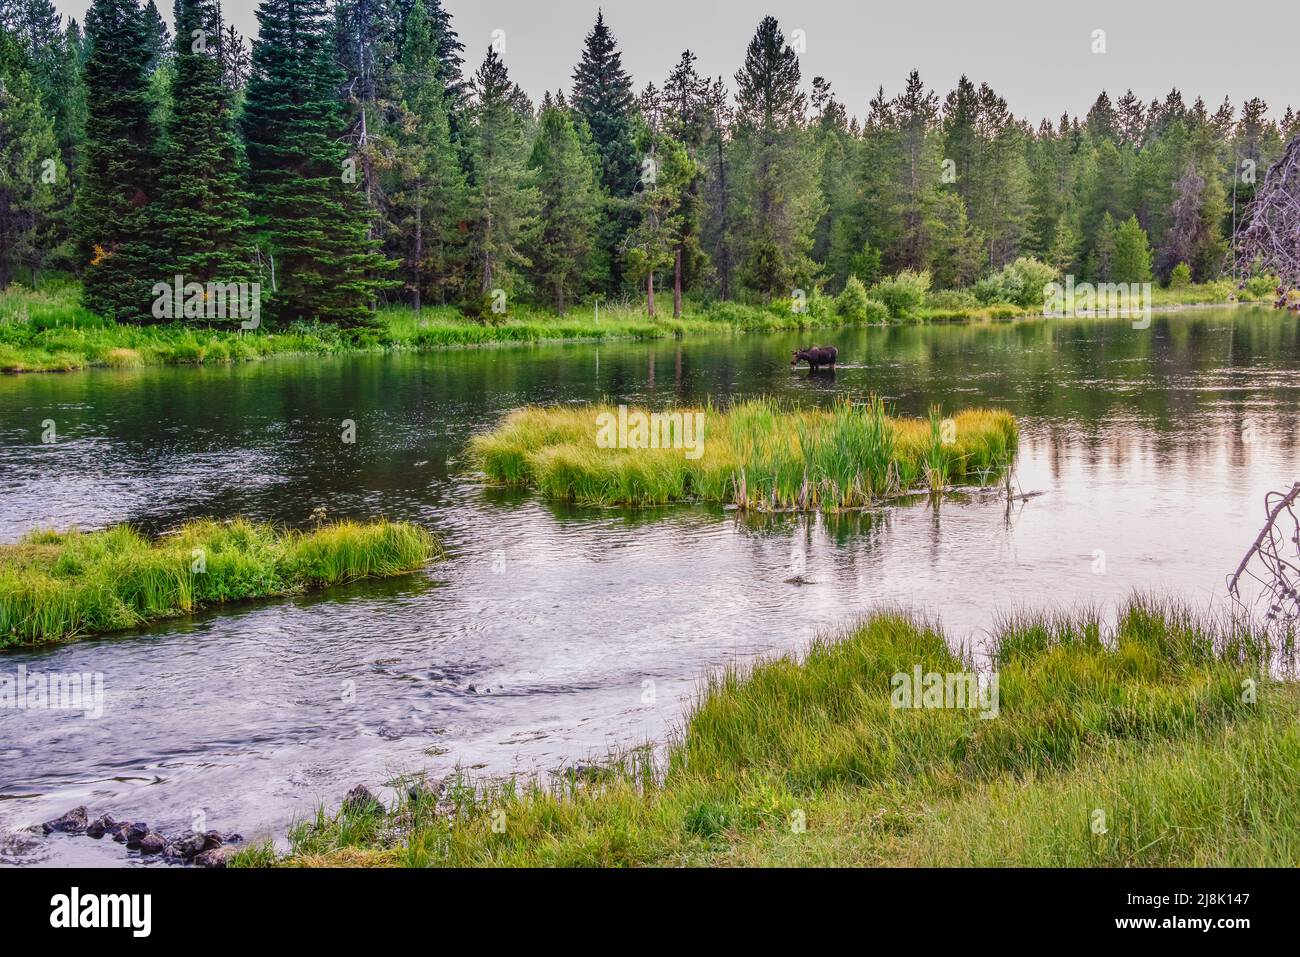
556 632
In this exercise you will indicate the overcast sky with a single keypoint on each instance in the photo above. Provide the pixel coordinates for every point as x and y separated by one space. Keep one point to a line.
1035 54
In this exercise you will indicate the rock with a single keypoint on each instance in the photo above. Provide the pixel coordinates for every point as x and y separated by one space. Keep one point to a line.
425 791
132 833
217 857
152 843
100 826
233 838
74 822
360 801
212 839
185 848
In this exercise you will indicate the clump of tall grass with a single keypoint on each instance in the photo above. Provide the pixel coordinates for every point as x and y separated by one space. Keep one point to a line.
1187 766
58 585
760 454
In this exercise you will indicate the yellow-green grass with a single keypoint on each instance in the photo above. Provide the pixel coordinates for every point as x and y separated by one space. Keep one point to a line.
60 585
760 454
1159 742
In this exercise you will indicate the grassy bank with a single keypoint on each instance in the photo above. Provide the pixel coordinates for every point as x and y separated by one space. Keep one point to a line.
759 455
48 331
55 586
1138 747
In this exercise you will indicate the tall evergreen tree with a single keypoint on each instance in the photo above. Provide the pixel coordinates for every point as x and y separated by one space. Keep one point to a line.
29 169
321 262
777 186
117 202
503 197
570 203
429 198
205 219
602 97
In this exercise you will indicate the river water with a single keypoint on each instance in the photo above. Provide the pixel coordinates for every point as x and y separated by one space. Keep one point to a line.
554 634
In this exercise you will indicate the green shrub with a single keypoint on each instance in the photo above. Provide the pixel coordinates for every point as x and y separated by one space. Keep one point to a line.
1181 277
853 303
1019 283
903 294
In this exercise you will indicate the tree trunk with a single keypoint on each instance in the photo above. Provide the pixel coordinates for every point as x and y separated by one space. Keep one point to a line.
419 243
650 294
677 284
559 297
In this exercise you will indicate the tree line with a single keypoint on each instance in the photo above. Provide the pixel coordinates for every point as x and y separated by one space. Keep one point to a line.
350 159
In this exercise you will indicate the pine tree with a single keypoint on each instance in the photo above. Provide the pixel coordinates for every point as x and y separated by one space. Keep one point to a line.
602 95
1132 259
503 198
29 168
715 230
206 225
429 198
160 40
651 245
117 201
686 121
320 261
570 204
777 187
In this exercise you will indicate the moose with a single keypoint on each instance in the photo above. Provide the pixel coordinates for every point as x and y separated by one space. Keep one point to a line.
815 356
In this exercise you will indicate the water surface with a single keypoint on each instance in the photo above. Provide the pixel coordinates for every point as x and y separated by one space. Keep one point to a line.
556 633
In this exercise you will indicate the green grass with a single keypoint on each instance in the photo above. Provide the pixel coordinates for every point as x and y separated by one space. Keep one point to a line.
759 455
1146 723
47 330
60 585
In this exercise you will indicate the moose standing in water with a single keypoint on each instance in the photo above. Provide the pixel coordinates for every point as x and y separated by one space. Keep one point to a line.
816 356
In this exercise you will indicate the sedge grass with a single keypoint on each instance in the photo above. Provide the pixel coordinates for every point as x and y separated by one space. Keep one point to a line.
760 454
59 585
1187 768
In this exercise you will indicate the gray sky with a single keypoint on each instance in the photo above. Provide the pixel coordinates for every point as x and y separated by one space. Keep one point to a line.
1038 56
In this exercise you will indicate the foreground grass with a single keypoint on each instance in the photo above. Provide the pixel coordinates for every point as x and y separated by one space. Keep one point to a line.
760 454
1159 744
47 330
55 586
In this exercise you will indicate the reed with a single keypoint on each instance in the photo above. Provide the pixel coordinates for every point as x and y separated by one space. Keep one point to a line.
60 585
1187 768
762 455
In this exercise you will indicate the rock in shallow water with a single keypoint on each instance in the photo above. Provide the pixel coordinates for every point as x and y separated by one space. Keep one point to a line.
102 825
152 843
74 822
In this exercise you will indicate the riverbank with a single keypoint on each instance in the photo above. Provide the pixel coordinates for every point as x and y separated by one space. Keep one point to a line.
1156 744
49 331
760 455
55 586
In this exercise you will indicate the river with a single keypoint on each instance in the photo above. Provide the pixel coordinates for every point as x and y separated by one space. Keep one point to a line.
553 633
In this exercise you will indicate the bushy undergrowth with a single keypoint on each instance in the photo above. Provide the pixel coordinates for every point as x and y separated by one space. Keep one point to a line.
58 585
1166 729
